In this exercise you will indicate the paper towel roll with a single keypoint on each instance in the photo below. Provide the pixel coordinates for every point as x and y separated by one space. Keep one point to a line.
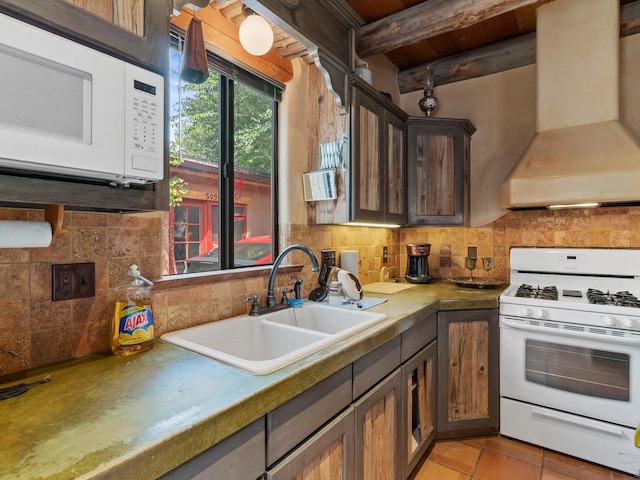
19 234
349 261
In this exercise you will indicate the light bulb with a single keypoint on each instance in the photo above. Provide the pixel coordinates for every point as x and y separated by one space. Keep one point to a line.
256 35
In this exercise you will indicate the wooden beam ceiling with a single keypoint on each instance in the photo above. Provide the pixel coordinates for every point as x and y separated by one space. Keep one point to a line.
497 57
428 20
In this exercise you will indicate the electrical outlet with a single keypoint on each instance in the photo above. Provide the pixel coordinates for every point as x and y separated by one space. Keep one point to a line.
73 280
328 258
385 254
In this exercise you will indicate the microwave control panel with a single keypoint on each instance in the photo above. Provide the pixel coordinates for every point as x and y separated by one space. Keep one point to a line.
144 150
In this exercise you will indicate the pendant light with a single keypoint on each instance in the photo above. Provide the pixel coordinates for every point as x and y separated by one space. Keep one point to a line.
256 35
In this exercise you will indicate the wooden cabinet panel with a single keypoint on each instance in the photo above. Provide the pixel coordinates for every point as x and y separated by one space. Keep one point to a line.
327 455
468 371
394 181
377 430
368 164
435 168
438 171
378 173
419 408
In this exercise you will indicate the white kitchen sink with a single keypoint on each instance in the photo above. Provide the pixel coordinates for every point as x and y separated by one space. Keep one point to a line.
265 343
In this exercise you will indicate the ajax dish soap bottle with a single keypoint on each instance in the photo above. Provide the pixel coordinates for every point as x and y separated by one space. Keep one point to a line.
133 319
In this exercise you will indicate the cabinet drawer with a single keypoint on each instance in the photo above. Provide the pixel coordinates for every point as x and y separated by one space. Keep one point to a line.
421 334
295 420
373 367
239 456
327 455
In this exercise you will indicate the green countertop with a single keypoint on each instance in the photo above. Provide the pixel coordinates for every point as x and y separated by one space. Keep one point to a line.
106 417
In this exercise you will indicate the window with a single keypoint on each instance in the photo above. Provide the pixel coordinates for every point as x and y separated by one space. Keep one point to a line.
223 147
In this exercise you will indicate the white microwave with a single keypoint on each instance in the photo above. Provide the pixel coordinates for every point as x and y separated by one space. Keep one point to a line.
69 110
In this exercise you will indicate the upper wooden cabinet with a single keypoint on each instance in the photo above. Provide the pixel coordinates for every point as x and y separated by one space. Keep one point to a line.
378 171
438 165
136 30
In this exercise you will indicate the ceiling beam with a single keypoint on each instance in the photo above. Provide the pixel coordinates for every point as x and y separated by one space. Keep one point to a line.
494 58
497 57
427 20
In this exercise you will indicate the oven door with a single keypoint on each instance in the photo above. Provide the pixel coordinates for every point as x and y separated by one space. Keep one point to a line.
593 375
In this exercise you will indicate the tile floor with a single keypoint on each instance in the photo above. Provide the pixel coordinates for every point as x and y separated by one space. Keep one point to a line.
501 458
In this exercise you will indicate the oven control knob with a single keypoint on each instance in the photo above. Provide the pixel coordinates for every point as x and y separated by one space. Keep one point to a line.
541 313
629 322
608 320
526 311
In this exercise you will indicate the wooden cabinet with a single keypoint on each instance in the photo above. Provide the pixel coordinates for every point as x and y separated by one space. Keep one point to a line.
419 407
378 172
468 373
327 455
292 422
137 30
378 427
239 456
438 171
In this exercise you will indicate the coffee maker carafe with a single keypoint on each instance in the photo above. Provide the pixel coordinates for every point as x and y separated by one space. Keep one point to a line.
417 263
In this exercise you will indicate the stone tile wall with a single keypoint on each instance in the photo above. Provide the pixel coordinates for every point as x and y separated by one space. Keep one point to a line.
34 331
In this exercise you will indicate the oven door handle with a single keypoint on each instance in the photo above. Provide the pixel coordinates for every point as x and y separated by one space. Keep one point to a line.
519 325
578 421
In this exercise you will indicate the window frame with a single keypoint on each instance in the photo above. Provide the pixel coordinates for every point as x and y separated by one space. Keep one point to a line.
230 74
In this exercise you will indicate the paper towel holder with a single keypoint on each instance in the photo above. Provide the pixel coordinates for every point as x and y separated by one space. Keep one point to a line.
54 215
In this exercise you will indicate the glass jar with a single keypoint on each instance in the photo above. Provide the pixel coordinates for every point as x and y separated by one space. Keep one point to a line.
335 293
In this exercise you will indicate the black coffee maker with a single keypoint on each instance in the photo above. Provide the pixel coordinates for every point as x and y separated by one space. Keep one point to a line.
417 263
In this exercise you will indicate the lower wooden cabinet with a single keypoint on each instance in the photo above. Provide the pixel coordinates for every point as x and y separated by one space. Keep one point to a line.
292 422
378 426
239 456
468 375
419 407
327 455
376 418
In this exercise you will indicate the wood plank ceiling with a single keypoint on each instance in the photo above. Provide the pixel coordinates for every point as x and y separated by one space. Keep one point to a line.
460 38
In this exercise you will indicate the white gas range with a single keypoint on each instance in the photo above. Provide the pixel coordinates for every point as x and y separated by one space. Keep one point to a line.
570 352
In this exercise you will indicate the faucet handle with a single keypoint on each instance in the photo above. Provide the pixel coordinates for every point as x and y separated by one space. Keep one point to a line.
284 300
255 307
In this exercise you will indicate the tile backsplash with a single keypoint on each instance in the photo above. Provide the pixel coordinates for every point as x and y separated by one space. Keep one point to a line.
34 331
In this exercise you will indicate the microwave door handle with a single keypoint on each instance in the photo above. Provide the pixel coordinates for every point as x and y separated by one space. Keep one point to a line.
519 325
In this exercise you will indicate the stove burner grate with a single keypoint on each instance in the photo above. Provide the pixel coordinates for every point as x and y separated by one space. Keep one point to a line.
619 299
545 293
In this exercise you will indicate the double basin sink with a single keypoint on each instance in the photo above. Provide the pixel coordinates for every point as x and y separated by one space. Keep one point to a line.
263 344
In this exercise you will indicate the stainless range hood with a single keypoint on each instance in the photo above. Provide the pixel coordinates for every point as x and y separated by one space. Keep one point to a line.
581 152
